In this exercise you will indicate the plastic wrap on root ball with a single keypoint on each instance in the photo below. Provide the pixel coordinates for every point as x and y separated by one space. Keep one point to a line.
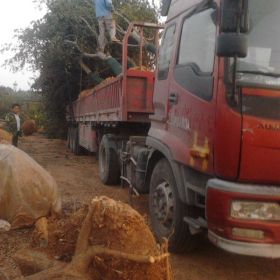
29 127
4 226
27 191
5 137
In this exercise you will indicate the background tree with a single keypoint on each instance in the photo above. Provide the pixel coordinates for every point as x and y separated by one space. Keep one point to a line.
30 102
45 46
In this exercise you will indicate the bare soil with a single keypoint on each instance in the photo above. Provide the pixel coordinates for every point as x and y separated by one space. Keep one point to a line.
78 181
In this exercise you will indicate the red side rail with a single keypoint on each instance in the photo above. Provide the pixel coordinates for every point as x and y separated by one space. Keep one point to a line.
128 97
101 104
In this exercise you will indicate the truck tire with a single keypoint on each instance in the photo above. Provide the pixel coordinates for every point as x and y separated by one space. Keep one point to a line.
76 143
109 167
167 210
68 143
71 139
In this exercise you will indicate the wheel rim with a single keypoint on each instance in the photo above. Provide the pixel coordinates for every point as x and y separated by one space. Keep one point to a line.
102 159
163 204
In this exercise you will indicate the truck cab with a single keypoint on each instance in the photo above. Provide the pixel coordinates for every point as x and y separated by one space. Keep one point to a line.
213 149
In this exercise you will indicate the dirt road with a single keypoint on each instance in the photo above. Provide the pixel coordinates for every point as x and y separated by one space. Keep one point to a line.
78 181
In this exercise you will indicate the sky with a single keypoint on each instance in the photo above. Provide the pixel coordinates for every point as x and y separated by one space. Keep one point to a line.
16 14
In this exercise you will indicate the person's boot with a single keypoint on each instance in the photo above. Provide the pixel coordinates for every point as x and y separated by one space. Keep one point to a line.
115 40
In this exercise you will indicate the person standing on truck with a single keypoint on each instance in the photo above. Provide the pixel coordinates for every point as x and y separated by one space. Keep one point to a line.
13 123
104 10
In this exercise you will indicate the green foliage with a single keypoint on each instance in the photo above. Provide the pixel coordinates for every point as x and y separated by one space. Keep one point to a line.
45 46
30 102
137 10
6 100
36 112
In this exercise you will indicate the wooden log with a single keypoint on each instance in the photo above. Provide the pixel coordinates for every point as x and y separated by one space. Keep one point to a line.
41 226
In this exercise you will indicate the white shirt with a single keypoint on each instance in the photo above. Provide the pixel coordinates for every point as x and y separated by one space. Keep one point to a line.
18 122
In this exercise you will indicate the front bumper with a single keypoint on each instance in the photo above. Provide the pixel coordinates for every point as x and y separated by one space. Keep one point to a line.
245 248
219 197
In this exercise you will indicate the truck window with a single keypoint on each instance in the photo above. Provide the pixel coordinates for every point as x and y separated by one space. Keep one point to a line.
196 55
165 52
261 67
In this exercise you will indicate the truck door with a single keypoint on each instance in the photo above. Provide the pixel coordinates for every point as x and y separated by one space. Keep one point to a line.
191 99
162 84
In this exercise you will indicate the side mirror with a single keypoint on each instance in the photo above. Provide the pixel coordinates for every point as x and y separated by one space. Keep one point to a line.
165 7
234 13
232 44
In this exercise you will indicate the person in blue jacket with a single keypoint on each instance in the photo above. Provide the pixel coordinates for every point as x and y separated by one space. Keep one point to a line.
104 10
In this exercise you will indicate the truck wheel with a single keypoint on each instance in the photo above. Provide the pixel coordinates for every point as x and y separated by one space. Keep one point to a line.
68 143
167 210
71 139
109 167
76 144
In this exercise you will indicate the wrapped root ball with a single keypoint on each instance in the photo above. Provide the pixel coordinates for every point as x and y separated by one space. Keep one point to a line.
29 127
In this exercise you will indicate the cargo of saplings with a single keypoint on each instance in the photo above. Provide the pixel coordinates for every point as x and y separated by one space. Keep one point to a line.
105 240
102 68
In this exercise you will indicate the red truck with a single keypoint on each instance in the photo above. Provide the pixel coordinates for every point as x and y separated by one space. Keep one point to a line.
103 120
209 154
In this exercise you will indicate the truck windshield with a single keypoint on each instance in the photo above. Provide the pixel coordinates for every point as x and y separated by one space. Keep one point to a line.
262 64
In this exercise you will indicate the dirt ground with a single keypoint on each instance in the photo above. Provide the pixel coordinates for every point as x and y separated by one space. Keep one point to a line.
78 181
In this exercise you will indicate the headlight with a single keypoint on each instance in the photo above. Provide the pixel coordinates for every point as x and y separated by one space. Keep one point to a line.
248 210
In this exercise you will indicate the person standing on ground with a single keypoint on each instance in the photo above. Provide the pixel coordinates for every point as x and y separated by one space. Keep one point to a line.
104 10
14 122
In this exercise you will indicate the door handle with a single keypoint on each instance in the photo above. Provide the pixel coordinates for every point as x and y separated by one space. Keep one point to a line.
173 98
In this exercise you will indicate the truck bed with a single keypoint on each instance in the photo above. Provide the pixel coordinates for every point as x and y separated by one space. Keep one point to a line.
127 98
